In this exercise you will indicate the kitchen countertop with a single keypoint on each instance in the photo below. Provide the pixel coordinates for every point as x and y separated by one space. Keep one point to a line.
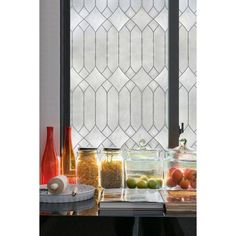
90 208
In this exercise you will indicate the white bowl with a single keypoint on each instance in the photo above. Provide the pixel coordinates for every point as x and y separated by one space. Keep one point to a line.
84 192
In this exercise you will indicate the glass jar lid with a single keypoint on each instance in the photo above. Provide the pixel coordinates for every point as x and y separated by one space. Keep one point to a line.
80 149
182 152
142 152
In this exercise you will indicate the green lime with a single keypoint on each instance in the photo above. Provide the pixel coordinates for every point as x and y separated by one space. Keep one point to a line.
131 183
152 183
144 177
159 183
142 184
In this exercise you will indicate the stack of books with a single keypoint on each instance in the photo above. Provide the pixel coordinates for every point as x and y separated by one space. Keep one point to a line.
131 202
179 201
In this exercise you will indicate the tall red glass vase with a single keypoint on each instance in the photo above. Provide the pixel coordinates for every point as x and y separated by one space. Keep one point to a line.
50 161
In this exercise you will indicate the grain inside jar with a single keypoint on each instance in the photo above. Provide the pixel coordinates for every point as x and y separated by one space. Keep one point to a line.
87 166
111 168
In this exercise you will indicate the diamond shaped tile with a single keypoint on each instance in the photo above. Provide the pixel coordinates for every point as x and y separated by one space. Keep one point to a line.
95 19
108 143
95 79
141 19
83 85
141 79
130 85
95 137
84 143
107 131
118 137
83 131
118 19
83 73
142 134
107 85
118 79
107 12
188 19
153 131
153 85
130 131
162 19
107 73
130 25
129 144
153 73
153 144
153 13
107 25
83 25
130 13
188 79
83 13
153 25
162 79
130 72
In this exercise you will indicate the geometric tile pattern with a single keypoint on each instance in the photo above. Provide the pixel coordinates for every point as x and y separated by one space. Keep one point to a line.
187 69
119 73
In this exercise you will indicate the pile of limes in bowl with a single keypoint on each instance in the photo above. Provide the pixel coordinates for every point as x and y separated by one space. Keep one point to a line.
144 182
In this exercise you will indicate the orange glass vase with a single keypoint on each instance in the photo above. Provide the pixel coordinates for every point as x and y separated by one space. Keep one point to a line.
50 161
68 160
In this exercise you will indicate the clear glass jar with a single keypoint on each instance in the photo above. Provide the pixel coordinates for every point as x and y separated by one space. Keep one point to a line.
143 168
87 166
112 171
180 167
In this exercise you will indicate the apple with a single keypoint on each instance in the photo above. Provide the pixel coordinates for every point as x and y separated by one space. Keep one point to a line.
193 184
186 172
177 175
192 175
171 170
184 183
170 183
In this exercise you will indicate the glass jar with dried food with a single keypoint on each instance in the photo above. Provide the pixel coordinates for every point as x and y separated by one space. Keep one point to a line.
112 175
87 166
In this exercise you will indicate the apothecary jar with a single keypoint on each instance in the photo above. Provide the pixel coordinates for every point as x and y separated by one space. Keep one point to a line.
143 167
87 166
180 167
111 170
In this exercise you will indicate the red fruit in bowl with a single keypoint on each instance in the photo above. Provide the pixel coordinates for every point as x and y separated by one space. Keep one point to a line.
184 183
170 183
171 170
177 175
193 184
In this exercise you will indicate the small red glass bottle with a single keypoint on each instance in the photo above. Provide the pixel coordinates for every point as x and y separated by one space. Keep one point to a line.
68 159
50 161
